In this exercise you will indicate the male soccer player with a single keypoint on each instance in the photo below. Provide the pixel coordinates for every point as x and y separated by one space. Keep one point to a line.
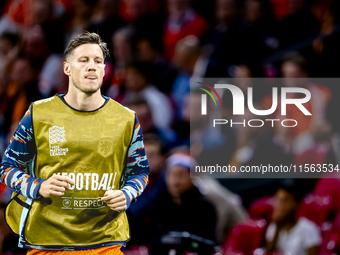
75 163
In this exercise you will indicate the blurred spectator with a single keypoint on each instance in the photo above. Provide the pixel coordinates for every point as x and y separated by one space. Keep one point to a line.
182 21
81 19
9 49
182 208
280 9
122 54
222 40
228 206
244 78
44 16
209 145
325 46
106 20
299 25
149 49
255 146
42 12
191 61
309 140
16 16
252 143
187 52
145 16
21 91
287 233
257 38
138 82
168 137
21 14
131 10
49 64
122 46
156 155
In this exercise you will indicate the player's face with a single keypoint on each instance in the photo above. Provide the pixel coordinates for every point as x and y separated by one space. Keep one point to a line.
85 67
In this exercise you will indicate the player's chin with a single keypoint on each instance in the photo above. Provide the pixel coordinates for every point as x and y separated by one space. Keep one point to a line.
91 90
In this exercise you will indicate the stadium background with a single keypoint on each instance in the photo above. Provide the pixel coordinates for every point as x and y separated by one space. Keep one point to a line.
156 46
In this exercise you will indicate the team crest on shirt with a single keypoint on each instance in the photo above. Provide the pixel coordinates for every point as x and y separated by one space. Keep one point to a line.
57 135
105 147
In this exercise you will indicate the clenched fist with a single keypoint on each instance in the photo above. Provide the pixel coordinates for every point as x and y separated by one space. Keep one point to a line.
56 185
115 199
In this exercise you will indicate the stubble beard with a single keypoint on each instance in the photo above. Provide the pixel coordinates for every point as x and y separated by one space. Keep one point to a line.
84 89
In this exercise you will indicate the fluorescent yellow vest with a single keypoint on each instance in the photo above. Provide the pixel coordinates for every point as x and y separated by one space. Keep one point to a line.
90 148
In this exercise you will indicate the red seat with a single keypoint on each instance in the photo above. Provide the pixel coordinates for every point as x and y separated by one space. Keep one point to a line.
331 187
316 208
262 208
233 252
246 237
137 250
332 240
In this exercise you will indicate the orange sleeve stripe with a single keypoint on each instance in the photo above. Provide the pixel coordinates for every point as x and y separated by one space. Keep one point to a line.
18 140
27 113
137 126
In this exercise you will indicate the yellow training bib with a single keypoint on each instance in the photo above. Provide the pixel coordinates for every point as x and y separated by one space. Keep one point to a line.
89 147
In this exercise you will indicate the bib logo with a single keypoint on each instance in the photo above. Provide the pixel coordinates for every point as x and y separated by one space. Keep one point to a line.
88 181
66 203
239 102
105 147
57 134
91 181
82 203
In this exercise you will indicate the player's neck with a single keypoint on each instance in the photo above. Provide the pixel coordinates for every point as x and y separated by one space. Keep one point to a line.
83 101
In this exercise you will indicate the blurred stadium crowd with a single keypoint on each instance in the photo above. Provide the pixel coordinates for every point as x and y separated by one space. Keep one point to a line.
156 46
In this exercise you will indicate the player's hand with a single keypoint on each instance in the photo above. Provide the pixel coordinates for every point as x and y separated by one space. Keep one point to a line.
56 185
115 199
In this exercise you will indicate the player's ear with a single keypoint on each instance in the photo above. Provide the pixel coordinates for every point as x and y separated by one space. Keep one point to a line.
104 70
67 68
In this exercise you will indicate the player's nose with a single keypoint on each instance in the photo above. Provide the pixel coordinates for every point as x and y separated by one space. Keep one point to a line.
91 66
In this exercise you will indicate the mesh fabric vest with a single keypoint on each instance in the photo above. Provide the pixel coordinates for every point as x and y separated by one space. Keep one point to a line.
90 148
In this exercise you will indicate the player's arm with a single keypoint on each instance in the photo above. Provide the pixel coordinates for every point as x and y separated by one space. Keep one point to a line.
20 156
136 175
